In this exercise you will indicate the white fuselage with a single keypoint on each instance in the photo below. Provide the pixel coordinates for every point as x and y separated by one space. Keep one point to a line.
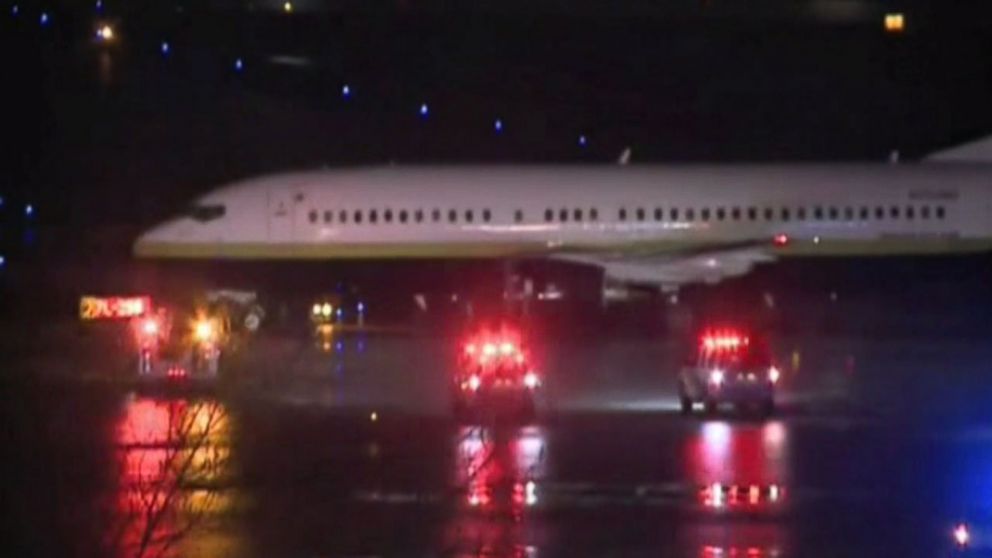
397 212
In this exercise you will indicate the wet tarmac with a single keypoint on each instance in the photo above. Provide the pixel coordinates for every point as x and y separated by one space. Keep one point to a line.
348 449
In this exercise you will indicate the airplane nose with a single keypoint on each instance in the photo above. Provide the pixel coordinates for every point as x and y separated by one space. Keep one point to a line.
159 241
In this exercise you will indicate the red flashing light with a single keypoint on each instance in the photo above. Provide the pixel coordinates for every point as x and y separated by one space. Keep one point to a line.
781 240
176 372
724 341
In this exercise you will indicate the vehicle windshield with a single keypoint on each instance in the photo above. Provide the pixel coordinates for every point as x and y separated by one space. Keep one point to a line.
206 212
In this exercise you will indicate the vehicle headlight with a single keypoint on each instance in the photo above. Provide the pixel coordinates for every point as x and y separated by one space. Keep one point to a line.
531 380
716 377
204 330
774 374
474 382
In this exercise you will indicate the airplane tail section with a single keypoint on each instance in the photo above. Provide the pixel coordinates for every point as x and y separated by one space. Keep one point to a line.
979 151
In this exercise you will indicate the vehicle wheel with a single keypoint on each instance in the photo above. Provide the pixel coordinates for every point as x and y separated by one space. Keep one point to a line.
768 408
685 405
711 407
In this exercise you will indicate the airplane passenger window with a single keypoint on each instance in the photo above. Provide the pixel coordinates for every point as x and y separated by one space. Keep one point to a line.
690 214
388 215
623 213
486 215
925 212
705 214
673 213
735 214
373 216
769 214
563 215
469 215
549 215
577 214
658 214
910 212
328 215
436 215
358 216
452 216
418 215
403 216
313 215
342 216
785 214
640 214
752 213
204 213
818 213
940 212
720 213
801 214
518 216
879 212
894 212
593 214
833 213
863 215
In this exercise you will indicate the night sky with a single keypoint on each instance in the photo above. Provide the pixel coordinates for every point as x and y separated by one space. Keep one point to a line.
119 136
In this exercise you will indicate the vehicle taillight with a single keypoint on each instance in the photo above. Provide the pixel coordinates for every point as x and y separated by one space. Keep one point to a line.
724 341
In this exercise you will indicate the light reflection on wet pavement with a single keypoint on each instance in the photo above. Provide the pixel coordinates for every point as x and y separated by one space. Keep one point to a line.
289 463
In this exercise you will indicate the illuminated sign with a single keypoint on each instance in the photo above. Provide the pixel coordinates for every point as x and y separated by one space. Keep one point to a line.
113 307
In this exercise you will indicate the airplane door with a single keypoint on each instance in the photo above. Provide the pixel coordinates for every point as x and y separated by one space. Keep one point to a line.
281 215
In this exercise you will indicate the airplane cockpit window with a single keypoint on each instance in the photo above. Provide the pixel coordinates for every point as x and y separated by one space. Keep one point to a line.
204 213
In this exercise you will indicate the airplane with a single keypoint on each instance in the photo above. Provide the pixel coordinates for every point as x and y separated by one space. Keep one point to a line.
654 226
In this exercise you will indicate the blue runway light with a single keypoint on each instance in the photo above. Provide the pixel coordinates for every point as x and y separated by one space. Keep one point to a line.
164 48
346 91
99 5
424 110
15 9
361 307
43 19
3 262
339 312
29 210
498 126
583 140
239 65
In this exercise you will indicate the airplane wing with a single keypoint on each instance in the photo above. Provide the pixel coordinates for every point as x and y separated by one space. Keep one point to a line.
672 269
